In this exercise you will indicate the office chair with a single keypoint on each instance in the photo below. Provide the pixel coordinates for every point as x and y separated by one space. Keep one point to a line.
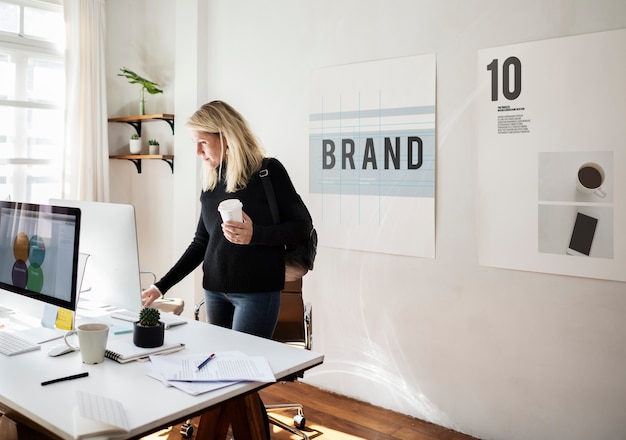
294 327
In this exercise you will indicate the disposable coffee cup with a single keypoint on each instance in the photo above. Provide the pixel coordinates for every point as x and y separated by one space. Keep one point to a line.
590 179
92 341
230 209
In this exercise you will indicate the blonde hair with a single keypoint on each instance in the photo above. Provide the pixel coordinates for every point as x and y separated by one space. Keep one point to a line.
244 151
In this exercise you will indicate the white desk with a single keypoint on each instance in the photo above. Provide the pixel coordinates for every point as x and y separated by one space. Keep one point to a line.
149 404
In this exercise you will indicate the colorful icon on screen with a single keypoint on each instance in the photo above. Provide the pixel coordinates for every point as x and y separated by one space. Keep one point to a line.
35 278
20 274
33 251
21 247
37 251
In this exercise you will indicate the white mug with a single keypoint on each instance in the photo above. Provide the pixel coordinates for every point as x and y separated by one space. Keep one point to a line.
590 178
92 341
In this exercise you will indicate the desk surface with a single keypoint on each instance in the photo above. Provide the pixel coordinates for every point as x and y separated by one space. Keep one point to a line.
148 403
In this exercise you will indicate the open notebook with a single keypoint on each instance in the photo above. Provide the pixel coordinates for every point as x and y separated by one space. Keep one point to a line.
98 416
122 349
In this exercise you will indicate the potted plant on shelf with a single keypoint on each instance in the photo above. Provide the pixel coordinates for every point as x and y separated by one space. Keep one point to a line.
153 146
146 86
135 144
148 331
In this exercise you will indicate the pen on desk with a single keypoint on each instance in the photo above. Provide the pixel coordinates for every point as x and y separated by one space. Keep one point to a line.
61 379
206 361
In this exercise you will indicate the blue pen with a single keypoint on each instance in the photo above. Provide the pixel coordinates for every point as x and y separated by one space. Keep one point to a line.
206 361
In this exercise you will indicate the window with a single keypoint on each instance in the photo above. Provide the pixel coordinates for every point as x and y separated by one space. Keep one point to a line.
32 94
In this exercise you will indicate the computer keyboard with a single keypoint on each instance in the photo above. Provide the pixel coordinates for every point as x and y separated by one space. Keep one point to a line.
11 344
125 315
168 319
5 310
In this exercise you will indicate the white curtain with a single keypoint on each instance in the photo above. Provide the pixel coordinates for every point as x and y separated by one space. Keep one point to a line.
86 153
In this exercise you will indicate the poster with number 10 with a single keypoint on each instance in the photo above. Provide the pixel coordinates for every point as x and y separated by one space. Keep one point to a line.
551 145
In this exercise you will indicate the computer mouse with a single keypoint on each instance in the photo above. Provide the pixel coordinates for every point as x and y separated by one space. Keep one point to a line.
60 350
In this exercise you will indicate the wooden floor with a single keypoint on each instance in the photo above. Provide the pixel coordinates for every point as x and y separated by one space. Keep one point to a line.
333 417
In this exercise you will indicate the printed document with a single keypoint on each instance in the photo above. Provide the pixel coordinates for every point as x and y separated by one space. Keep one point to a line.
229 366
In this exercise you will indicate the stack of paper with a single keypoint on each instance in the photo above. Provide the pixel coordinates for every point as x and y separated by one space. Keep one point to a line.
224 369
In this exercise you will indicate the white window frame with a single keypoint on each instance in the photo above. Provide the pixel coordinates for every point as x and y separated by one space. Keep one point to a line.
25 47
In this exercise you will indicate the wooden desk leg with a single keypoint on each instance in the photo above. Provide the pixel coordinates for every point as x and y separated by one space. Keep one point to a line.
246 418
8 428
213 424
12 430
244 414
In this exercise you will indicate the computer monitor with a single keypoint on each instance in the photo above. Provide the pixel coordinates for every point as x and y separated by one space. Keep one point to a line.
108 235
39 252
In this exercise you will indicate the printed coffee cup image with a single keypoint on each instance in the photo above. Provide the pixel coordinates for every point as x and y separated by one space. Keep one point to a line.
230 209
92 341
590 179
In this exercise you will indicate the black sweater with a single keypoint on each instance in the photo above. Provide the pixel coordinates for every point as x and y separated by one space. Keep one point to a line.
258 266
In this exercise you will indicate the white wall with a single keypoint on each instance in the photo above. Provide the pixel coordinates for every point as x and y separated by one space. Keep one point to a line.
494 353
139 38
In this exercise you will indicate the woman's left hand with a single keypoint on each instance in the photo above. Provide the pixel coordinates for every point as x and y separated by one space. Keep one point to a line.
238 233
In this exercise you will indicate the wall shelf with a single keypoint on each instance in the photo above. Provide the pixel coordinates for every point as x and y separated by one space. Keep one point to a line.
137 158
136 121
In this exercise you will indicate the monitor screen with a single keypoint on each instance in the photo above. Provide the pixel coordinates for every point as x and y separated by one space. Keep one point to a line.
39 252
108 234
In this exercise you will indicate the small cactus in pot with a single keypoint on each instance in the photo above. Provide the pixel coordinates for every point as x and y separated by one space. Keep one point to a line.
134 144
153 146
149 317
149 331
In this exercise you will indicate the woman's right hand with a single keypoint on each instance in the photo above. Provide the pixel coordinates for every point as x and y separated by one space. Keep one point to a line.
150 295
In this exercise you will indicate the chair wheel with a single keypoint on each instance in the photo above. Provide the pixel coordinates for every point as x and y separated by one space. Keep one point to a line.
186 430
299 421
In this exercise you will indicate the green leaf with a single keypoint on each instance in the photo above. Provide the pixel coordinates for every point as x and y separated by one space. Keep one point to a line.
150 86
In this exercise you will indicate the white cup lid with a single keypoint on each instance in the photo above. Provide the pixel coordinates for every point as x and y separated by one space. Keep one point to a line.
228 204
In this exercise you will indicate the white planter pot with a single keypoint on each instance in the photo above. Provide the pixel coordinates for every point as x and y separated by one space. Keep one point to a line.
135 146
153 149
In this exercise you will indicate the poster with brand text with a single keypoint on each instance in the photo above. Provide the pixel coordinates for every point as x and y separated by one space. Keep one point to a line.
372 156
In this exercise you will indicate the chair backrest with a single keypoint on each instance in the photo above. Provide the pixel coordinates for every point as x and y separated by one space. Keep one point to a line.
294 319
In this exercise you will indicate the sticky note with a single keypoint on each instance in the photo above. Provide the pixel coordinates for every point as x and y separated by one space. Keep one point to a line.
65 319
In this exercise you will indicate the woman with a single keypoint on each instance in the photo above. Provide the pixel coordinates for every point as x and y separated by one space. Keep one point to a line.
243 262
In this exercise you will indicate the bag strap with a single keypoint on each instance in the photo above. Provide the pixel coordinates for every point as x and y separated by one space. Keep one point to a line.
269 191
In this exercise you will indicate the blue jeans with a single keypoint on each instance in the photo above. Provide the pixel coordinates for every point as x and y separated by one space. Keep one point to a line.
254 313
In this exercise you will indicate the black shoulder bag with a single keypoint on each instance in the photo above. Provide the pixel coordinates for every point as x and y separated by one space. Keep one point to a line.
299 257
